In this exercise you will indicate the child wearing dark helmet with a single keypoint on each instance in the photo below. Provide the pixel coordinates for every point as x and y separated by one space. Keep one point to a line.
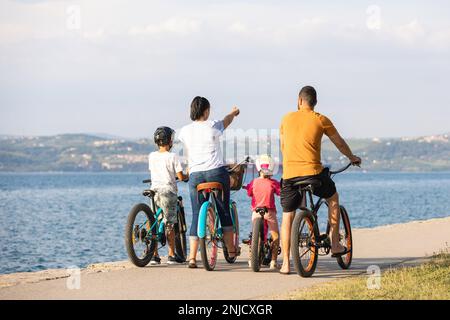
165 168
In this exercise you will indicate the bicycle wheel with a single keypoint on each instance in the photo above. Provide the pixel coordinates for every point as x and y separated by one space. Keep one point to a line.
208 238
180 243
345 237
235 216
257 248
139 242
303 244
180 236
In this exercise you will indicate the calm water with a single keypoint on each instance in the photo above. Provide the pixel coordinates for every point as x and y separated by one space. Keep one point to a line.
61 220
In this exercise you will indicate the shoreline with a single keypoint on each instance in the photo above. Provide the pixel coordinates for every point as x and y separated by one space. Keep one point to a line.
19 278
96 265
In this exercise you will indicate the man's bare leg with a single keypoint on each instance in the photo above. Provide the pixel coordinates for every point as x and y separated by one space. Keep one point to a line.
334 215
286 225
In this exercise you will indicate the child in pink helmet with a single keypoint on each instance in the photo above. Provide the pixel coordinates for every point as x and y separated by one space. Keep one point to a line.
262 190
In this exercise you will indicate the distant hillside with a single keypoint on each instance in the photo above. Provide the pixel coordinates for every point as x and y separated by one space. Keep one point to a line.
80 152
431 153
73 152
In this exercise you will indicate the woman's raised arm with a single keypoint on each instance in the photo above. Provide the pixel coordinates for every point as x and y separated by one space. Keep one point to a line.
230 117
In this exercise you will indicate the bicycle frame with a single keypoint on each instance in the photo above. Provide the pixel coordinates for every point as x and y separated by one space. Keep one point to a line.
307 194
159 224
210 201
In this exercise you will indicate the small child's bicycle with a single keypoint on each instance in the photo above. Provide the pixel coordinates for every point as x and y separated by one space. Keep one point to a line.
145 228
260 242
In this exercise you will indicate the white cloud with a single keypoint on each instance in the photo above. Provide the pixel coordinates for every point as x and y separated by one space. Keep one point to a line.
410 32
255 53
174 25
238 27
94 35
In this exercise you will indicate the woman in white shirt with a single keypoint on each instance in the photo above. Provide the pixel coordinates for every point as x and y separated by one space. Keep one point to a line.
201 140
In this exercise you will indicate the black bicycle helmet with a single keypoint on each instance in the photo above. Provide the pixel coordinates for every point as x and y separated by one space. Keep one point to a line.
164 136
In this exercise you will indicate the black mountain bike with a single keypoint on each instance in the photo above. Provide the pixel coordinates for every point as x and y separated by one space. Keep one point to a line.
307 243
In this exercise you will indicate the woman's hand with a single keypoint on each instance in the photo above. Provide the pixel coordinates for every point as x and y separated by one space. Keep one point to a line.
229 118
235 111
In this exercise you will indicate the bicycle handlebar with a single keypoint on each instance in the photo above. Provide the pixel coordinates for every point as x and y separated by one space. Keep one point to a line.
246 160
342 169
150 180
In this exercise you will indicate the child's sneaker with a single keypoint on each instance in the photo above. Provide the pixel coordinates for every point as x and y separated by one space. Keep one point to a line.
174 260
274 265
155 261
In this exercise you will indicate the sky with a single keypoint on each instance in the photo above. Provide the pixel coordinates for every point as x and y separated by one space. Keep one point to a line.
381 69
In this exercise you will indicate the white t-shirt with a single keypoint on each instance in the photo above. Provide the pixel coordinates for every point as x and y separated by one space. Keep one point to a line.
201 141
163 168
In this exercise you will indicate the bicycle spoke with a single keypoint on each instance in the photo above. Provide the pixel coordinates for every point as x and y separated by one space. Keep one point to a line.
301 227
309 249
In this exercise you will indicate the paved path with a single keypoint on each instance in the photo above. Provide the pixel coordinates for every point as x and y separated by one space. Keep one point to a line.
383 246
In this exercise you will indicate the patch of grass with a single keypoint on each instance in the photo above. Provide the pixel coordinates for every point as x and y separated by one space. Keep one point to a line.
429 281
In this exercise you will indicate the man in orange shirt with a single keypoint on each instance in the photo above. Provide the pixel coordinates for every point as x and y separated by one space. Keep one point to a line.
301 135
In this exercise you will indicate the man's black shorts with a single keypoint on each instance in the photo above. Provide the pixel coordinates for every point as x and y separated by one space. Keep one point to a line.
290 197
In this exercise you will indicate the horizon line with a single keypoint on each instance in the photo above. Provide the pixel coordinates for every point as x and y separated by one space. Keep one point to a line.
114 136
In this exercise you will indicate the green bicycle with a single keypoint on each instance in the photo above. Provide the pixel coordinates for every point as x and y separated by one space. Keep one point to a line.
145 229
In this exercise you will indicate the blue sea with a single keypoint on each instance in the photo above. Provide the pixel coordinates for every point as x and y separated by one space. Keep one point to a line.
59 220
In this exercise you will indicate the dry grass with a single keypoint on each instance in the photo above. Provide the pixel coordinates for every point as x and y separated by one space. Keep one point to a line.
428 281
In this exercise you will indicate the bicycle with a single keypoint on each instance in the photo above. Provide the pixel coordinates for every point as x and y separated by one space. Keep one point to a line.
144 231
209 230
310 242
260 242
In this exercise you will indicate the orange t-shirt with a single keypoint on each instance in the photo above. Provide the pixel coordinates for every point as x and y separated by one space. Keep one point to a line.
302 133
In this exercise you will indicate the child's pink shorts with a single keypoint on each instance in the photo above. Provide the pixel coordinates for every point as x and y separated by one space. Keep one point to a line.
270 217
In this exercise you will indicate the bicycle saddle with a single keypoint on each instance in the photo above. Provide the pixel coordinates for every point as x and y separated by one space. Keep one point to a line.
148 193
208 186
308 182
261 210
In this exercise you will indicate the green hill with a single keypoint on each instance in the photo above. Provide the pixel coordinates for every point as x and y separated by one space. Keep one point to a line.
80 152
73 152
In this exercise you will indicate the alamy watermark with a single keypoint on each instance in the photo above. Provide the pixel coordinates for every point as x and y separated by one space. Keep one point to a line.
373 21
73 282
73 17
237 144
373 277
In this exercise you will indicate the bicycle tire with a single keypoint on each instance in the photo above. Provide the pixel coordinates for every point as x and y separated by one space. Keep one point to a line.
180 237
257 247
129 235
301 219
235 235
207 218
346 260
